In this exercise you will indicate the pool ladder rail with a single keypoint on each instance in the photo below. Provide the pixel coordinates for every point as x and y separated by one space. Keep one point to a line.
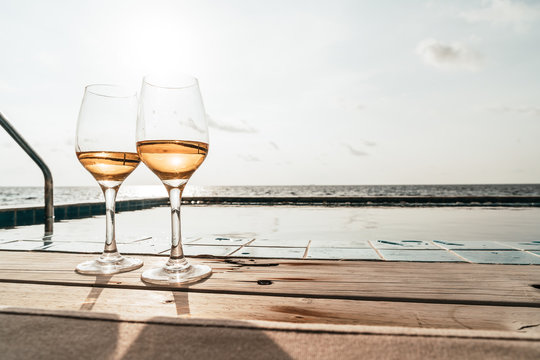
49 205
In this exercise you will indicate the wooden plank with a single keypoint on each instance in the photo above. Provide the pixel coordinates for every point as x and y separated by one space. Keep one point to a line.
368 280
137 304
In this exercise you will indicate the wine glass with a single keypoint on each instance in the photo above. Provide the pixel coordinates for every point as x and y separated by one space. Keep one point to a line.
104 146
172 141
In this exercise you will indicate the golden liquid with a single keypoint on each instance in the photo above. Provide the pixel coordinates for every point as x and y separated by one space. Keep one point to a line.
107 165
172 159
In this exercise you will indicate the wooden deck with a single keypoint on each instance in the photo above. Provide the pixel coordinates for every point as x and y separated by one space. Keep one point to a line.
340 292
397 294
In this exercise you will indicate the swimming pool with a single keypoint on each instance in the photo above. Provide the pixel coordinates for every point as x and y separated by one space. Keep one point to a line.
297 232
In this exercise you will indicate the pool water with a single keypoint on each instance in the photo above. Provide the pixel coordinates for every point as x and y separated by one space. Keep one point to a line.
484 235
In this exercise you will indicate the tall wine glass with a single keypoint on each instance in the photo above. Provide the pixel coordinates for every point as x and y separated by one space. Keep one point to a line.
172 141
104 146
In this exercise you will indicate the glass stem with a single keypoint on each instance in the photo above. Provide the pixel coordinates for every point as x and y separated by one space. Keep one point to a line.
110 251
177 254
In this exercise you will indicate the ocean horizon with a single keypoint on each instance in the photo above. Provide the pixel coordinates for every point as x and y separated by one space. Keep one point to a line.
33 195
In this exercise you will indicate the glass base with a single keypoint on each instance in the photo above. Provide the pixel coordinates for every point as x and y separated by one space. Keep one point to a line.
177 274
101 267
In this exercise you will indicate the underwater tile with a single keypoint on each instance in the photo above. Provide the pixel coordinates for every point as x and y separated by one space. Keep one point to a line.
74 237
523 245
332 239
130 239
142 248
189 239
280 242
403 244
133 240
80 247
419 255
499 257
222 240
194 250
471 245
271 252
22 233
6 241
342 253
341 243
79 235
24 245
201 250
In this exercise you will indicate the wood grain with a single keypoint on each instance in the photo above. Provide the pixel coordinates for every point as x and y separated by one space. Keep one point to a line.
504 285
130 303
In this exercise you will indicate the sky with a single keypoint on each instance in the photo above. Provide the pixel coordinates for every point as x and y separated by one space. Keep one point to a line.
296 92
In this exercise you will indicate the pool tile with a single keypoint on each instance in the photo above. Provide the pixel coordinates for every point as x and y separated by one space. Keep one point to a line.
95 238
419 255
138 239
403 245
193 250
189 239
142 248
271 252
218 240
22 233
5 241
471 245
340 243
525 245
24 245
280 242
499 257
131 238
85 238
201 250
329 239
83 247
342 253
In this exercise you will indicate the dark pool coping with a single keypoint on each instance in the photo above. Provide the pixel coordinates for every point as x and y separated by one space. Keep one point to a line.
32 215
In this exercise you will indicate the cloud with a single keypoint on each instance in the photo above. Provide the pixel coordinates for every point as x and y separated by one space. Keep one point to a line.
354 151
369 143
5 87
190 123
349 104
526 110
448 56
504 12
7 144
274 145
249 158
47 58
235 128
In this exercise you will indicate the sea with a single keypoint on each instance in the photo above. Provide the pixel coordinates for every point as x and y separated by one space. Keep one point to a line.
14 196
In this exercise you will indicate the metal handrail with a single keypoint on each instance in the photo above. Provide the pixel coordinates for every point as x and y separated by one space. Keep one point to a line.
49 205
